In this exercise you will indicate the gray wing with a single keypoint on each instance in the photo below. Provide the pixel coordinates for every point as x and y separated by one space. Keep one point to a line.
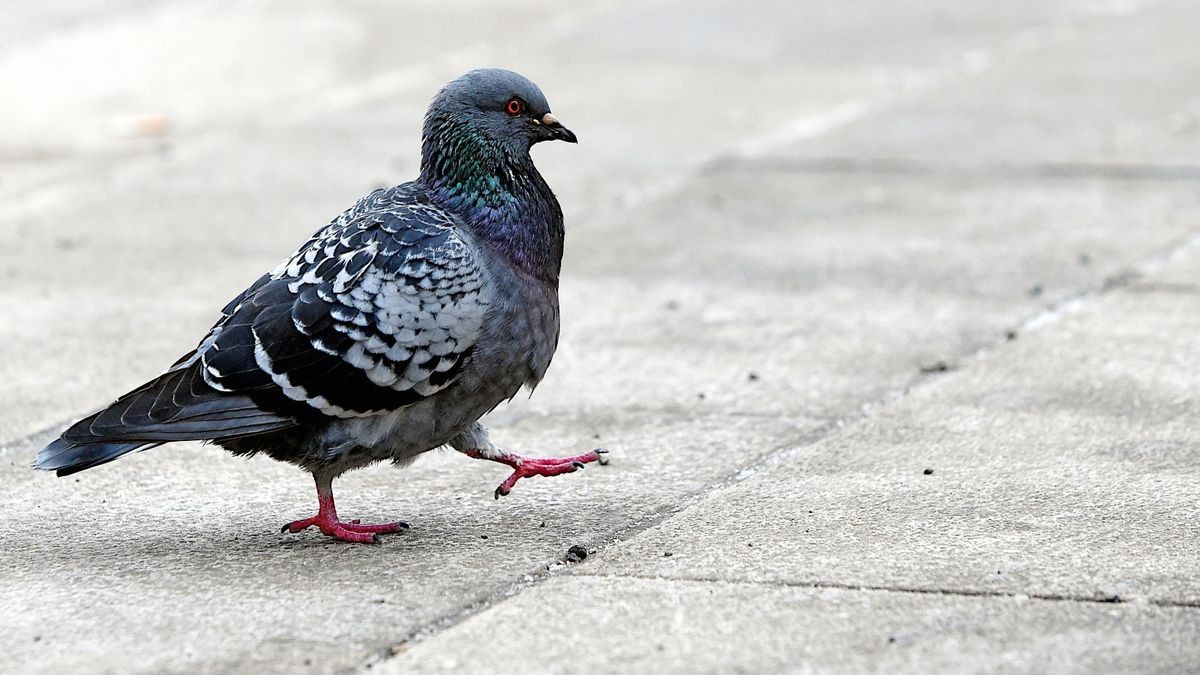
377 311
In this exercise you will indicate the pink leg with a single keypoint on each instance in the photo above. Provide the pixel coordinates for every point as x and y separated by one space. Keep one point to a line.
327 521
524 467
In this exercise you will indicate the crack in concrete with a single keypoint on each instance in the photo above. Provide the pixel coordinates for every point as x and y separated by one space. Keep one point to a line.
1098 598
1171 288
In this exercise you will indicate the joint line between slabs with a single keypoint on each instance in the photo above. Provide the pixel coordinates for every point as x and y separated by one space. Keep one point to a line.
1114 599
904 167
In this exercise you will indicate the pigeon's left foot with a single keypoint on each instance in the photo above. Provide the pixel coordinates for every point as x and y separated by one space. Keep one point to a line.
327 521
524 467
351 531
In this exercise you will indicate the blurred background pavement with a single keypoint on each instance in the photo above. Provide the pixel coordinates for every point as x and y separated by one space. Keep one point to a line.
888 313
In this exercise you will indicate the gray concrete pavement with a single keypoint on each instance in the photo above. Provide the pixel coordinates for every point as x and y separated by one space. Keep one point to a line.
812 252
629 624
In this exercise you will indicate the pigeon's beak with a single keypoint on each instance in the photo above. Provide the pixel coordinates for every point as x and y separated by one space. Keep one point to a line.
553 130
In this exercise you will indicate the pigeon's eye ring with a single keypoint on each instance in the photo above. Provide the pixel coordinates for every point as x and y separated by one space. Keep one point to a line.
515 106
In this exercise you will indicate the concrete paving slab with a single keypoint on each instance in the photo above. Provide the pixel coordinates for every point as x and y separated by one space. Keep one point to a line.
864 283
623 624
1070 99
1063 464
834 287
190 527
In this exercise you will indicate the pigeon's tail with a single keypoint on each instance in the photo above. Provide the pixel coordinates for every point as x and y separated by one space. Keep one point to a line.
66 458
177 406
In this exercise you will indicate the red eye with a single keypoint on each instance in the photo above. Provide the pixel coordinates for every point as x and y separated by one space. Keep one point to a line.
514 106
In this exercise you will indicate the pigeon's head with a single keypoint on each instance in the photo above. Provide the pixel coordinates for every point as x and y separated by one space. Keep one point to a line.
501 108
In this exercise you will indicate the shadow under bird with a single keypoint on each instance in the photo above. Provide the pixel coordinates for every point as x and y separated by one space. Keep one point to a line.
391 331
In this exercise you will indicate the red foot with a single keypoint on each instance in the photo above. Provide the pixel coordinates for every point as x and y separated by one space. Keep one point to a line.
351 531
327 521
525 467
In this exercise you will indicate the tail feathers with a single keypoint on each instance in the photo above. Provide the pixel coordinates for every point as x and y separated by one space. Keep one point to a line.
66 458
177 406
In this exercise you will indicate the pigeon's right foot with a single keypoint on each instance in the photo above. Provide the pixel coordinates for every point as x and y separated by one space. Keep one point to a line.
327 521
525 467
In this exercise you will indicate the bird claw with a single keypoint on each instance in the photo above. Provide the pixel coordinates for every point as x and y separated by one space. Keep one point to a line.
526 467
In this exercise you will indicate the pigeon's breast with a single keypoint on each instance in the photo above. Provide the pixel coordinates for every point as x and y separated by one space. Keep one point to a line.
517 340
520 331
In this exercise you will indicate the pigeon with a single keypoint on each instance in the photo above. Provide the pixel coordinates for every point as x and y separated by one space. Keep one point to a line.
391 331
